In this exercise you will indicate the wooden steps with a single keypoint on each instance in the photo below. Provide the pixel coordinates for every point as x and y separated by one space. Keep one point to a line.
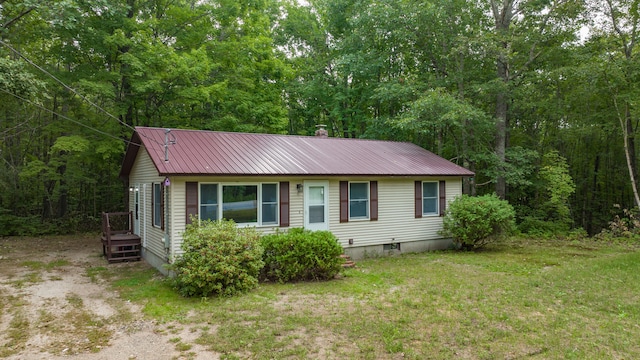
119 243
348 263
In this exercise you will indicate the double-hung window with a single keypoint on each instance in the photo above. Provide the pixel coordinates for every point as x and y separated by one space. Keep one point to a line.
269 204
242 203
209 202
430 198
358 200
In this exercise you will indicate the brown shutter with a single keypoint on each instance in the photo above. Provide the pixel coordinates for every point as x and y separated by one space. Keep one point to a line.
344 201
443 197
153 205
191 189
284 204
418 198
373 204
162 195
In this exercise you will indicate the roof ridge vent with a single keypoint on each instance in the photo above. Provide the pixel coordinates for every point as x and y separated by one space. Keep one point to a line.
322 131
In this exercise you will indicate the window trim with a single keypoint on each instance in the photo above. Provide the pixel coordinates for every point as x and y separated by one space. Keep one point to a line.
435 198
259 202
368 201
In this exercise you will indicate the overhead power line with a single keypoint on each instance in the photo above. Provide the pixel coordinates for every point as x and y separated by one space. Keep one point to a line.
25 58
66 117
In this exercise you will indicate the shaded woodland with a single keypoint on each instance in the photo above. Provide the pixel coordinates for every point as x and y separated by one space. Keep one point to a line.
537 97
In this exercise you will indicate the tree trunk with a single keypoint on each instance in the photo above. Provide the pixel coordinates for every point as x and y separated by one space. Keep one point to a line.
63 198
624 119
501 143
468 184
631 143
503 14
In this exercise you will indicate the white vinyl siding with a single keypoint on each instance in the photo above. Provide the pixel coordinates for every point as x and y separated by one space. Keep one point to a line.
396 215
144 173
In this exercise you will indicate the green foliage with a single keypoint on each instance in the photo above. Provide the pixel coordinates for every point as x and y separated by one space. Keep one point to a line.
536 226
473 222
219 258
12 225
14 79
301 254
397 70
549 215
559 186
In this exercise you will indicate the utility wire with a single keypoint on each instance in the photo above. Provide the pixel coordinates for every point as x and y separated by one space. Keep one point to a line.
66 117
73 91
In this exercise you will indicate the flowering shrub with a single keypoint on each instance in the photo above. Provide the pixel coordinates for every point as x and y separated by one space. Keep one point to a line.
219 258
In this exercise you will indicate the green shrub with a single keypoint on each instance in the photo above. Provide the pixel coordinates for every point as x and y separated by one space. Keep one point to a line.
301 254
219 259
12 225
536 227
473 222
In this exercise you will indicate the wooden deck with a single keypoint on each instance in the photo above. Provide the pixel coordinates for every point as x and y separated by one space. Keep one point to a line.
119 243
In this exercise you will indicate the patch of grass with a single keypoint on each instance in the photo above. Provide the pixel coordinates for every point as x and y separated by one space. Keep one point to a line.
160 300
45 318
74 300
30 278
16 335
96 272
123 315
57 263
521 298
33 265
180 346
85 332
39 265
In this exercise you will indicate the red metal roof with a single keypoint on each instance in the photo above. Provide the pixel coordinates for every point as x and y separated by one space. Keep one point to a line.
198 152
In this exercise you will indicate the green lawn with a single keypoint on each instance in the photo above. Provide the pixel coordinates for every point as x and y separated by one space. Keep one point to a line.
523 299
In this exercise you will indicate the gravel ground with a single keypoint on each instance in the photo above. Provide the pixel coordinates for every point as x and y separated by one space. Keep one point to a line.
51 308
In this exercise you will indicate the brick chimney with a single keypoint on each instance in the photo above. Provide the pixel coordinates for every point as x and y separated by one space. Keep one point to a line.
322 132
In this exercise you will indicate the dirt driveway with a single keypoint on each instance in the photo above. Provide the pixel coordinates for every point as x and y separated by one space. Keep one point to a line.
51 307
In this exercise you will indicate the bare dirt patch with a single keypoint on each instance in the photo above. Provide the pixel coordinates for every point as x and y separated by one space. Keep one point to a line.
51 308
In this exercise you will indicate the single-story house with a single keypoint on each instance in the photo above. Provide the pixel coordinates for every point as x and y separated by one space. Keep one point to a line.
374 196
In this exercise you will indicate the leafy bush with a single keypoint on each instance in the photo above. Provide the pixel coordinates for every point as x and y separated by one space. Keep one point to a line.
534 226
219 258
473 222
301 254
12 225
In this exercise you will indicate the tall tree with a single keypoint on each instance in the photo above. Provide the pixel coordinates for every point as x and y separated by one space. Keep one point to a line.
524 30
620 24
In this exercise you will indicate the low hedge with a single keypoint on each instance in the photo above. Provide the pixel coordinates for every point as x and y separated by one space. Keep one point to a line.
299 255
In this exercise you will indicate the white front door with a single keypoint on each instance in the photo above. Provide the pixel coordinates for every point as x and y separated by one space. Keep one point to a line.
136 210
316 209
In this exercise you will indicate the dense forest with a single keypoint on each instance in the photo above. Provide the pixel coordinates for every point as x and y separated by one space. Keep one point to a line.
537 97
